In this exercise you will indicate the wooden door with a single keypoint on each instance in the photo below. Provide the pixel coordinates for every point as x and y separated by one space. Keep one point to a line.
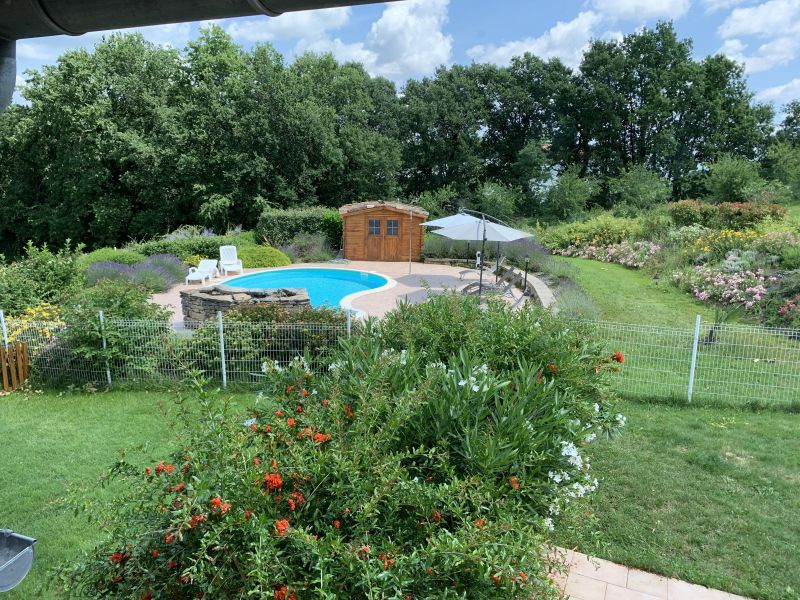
375 229
391 240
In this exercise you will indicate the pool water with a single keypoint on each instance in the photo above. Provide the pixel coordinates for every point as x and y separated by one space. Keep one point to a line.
326 287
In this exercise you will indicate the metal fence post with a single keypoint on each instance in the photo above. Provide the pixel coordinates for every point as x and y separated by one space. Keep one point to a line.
222 350
3 327
694 356
349 321
105 345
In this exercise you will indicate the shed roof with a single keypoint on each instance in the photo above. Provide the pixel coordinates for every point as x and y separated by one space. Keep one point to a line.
349 209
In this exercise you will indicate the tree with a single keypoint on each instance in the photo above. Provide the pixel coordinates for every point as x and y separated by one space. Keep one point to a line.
638 189
568 197
498 200
790 126
783 165
730 177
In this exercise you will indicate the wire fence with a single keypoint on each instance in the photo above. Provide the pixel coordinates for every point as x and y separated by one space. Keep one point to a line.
704 363
108 351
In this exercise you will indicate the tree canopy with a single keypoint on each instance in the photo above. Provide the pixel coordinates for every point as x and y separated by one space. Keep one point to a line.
132 139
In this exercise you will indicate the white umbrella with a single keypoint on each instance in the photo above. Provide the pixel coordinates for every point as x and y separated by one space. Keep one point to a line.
452 221
483 231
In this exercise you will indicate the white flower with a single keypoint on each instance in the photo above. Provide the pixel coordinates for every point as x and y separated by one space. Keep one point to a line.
476 388
571 452
621 420
596 407
549 523
462 383
590 438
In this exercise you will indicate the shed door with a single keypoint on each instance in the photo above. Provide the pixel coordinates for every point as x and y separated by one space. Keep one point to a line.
391 240
374 239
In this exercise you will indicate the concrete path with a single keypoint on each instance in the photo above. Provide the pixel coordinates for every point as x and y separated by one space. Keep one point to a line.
597 579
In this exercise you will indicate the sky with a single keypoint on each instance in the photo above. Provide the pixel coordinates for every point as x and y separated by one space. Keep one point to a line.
410 38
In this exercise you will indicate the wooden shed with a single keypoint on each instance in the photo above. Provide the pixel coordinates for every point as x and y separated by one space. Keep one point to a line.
387 231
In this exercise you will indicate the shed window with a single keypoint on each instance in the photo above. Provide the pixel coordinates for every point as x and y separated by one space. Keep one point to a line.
374 227
393 227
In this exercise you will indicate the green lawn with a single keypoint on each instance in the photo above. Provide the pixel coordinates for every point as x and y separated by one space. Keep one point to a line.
52 443
629 296
705 495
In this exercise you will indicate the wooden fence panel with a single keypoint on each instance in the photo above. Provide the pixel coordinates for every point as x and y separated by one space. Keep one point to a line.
15 364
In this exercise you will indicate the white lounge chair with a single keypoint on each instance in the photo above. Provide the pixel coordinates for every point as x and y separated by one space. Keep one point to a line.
229 261
205 270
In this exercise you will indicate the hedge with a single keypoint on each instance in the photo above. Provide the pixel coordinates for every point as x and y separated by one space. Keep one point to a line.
263 257
279 227
187 249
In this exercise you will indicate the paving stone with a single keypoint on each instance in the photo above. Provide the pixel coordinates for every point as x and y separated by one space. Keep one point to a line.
585 588
649 583
615 592
600 569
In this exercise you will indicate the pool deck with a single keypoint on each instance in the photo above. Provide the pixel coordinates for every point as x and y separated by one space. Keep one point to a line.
410 286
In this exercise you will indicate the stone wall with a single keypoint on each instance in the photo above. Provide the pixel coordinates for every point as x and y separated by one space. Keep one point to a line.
203 303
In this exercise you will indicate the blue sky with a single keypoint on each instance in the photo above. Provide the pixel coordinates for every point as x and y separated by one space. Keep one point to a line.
410 38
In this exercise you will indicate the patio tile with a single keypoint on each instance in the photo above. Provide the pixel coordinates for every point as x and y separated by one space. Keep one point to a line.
682 590
585 588
600 569
615 592
649 583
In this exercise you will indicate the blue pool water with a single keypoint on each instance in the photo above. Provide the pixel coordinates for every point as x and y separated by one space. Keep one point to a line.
326 287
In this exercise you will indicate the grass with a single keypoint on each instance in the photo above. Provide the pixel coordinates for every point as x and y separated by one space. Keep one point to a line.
54 443
705 495
738 367
629 296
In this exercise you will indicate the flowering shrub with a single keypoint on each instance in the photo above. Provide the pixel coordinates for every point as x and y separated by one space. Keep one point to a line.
391 475
732 215
157 273
603 230
716 244
789 312
37 322
746 288
630 254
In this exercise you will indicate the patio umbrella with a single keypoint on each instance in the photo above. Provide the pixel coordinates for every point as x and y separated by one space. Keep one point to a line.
483 231
452 221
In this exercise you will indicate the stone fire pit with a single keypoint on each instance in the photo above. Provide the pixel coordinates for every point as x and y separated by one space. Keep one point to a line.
204 303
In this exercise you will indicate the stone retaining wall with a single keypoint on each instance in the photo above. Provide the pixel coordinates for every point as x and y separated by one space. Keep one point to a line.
204 303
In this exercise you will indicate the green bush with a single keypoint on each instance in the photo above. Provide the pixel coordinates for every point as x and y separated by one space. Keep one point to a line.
122 256
790 257
40 276
309 247
603 230
262 257
279 227
388 476
185 248
728 215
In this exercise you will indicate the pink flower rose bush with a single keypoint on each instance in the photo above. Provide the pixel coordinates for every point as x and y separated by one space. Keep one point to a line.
744 288
630 254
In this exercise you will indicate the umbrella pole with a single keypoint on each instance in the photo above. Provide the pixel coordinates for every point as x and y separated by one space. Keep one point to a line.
483 253
497 270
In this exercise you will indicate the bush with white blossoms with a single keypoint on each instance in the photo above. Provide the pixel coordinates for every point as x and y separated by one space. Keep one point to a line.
630 254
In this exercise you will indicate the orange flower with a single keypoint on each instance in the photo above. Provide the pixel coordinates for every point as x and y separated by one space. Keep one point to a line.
290 422
247 515
147 471
479 523
514 483
552 368
304 393
496 579
196 520
117 557
279 592
168 538
254 426
273 481
216 502
326 403
278 413
523 576
257 461
321 438
290 388
154 553
180 487
619 357
282 526
299 408
337 523
348 411
267 428
437 516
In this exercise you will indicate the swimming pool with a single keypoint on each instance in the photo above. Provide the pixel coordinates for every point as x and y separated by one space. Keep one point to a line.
326 287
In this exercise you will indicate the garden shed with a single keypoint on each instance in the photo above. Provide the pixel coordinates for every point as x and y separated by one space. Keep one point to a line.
387 231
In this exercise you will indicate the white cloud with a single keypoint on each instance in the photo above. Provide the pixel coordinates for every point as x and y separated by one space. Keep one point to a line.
406 41
781 93
713 6
770 19
772 54
642 10
565 40
308 24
